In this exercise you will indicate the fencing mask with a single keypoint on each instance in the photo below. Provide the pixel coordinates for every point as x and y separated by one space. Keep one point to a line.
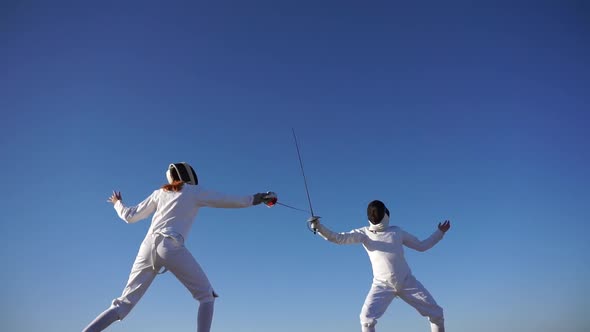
182 172
378 216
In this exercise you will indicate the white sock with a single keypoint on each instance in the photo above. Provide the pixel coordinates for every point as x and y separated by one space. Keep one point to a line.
436 328
205 317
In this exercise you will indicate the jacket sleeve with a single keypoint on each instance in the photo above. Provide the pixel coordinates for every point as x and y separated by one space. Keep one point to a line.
215 199
411 241
354 236
136 213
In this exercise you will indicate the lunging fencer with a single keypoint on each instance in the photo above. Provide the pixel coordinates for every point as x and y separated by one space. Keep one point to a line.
174 207
392 276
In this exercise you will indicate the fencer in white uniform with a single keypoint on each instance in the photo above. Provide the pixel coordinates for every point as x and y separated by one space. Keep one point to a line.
392 276
174 208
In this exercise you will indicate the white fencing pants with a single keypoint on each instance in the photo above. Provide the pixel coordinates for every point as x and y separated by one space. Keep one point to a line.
380 297
155 252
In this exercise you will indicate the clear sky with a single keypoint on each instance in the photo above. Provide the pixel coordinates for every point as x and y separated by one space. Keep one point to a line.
477 113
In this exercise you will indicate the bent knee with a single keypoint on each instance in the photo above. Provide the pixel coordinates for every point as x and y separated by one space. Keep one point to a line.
368 326
206 297
368 321
121 308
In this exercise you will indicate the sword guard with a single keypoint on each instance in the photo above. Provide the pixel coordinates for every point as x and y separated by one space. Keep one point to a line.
270 199
311 221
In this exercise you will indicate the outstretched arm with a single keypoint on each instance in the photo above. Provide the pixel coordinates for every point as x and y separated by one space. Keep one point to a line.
354 236
219 200
134 213
411 241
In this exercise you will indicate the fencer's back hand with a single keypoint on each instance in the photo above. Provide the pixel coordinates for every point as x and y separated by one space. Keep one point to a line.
116 196
445 226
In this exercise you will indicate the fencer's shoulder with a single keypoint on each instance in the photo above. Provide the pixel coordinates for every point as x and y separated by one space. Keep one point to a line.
389 229
201 191
394 228
364 230
193 188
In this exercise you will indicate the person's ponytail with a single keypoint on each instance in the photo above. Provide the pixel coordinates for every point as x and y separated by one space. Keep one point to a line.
174 186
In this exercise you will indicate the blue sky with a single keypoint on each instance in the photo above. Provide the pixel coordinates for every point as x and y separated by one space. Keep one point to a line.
477 113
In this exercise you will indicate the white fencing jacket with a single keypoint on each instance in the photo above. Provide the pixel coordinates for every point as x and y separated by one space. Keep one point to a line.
385 250
176 211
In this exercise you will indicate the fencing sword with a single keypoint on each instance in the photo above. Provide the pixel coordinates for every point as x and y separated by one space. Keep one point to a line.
271 198
292 207
304 181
